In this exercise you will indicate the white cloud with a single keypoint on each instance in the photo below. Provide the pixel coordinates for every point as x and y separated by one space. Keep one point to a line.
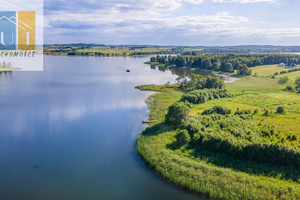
194 1
157 22
21 5
243 1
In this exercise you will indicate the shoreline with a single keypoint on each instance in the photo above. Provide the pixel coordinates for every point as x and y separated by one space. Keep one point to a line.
9 69
202 177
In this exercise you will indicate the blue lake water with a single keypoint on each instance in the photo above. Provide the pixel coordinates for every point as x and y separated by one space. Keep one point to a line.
69 132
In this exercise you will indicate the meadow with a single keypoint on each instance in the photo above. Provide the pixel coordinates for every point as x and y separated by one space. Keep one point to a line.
85 50
220 174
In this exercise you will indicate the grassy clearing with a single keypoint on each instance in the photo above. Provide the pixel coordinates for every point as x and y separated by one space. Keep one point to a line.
255 85
267 70
292 75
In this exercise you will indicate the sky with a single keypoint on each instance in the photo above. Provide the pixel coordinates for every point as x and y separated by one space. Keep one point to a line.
172 22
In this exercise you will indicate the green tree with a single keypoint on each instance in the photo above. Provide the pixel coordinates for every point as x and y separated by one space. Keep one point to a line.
243 69
208 64
196 82
216 65
280 110
183 137
180 61
214 82
152 59
178 113
228 67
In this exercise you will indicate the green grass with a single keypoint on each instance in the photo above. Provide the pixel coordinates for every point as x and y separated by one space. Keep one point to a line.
262 93
160 102
255 85
292 75
198 174
217 175
267 70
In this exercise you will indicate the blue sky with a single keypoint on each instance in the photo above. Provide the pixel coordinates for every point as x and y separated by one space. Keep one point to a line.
172 22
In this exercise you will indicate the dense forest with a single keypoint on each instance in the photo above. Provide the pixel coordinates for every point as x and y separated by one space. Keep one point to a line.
225 62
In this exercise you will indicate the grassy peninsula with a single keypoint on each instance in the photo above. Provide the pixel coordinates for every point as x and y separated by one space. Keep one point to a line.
238 140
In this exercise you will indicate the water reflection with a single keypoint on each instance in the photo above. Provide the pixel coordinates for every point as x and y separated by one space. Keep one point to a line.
180 71
69 132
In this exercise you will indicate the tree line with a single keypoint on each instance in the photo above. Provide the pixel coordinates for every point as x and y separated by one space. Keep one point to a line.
225 62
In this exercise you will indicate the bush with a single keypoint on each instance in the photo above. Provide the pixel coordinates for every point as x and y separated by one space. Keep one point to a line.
280 110
291 137
243 139
242 69
217 110
290 88
255 111
242 112
297 83
283 80
214 82
267 113
201 96
183 137
177 113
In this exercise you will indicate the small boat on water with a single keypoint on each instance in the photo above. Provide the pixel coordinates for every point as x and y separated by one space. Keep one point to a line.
127 70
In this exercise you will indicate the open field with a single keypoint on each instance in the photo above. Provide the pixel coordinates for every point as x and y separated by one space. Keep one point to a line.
267 70
106 50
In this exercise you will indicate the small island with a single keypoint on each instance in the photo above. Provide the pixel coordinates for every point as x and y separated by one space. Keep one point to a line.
237 140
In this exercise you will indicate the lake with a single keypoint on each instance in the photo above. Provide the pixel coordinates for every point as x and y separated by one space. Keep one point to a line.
69 132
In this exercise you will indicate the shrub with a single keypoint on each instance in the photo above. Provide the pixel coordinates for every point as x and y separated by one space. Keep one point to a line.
280 110
201 96
290 88
255 111
291 137
283 80
178 113
183 137
242 69
214 82
243 139
297 83
267 113
242 112
217 110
